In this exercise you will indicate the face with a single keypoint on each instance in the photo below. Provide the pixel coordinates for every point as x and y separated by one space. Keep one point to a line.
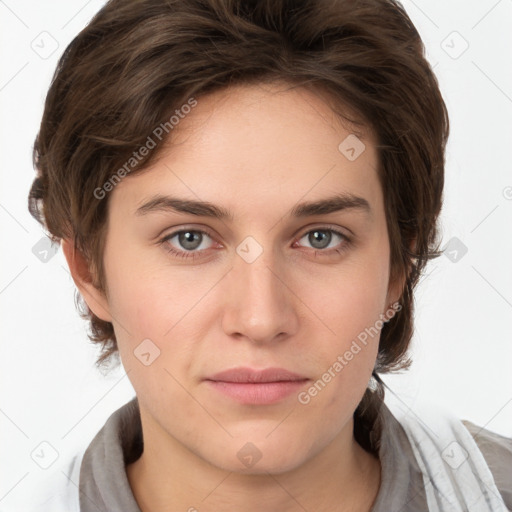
273 283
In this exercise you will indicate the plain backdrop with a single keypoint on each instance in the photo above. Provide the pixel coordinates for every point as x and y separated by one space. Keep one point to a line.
462 351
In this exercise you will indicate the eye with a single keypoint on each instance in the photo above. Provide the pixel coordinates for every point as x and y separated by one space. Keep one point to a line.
321 239
188 242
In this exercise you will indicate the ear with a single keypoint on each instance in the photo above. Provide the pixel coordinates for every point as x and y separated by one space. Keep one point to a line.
395 290
83 278
396 287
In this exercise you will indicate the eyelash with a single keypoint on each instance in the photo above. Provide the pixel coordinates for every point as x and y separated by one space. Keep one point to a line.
346 243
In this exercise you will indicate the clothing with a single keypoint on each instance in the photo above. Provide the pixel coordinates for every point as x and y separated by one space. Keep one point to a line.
99 471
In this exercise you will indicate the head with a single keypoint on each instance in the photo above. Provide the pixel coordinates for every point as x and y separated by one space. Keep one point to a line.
255 108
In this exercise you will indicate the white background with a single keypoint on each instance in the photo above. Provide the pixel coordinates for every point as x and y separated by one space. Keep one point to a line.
462 348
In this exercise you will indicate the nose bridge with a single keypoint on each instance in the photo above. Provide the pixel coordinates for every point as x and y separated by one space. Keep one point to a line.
259 305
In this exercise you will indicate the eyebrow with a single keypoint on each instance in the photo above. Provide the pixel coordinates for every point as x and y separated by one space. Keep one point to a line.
339 202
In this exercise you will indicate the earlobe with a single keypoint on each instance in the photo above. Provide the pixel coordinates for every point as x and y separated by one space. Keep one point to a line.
81 274
395 291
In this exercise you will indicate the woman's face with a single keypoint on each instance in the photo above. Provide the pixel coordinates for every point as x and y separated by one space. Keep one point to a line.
273 282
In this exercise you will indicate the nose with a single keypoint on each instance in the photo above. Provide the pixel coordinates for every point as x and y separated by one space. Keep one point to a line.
259 302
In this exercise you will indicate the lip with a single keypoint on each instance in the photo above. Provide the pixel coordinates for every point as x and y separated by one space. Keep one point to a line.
248 386
248 375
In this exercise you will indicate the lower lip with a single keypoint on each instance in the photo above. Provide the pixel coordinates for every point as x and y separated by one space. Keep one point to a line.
258 393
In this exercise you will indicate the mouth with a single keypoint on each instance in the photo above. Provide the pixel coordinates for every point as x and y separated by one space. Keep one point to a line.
259 387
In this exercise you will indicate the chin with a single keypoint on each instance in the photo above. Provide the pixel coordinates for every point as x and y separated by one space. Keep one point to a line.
268 465
259 457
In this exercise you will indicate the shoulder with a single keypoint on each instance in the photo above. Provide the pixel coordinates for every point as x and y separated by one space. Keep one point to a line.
497 452
456 464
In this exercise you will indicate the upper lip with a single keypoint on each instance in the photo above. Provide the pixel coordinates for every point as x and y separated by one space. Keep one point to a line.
250 375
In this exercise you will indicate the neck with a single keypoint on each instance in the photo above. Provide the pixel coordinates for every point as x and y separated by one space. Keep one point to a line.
169 477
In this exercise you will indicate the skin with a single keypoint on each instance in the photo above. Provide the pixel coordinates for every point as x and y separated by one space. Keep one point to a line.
257 151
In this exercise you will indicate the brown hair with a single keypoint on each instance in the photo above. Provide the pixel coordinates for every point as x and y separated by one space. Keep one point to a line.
137 62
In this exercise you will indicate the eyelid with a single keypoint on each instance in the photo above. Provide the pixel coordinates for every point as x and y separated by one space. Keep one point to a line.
327 227
176 231
179 229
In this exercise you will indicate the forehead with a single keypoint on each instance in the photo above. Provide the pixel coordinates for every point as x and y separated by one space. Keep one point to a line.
277 114
261 145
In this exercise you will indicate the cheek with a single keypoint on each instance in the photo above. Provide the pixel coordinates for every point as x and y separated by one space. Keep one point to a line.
350 309
354 298
146 298
171 308
139 304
